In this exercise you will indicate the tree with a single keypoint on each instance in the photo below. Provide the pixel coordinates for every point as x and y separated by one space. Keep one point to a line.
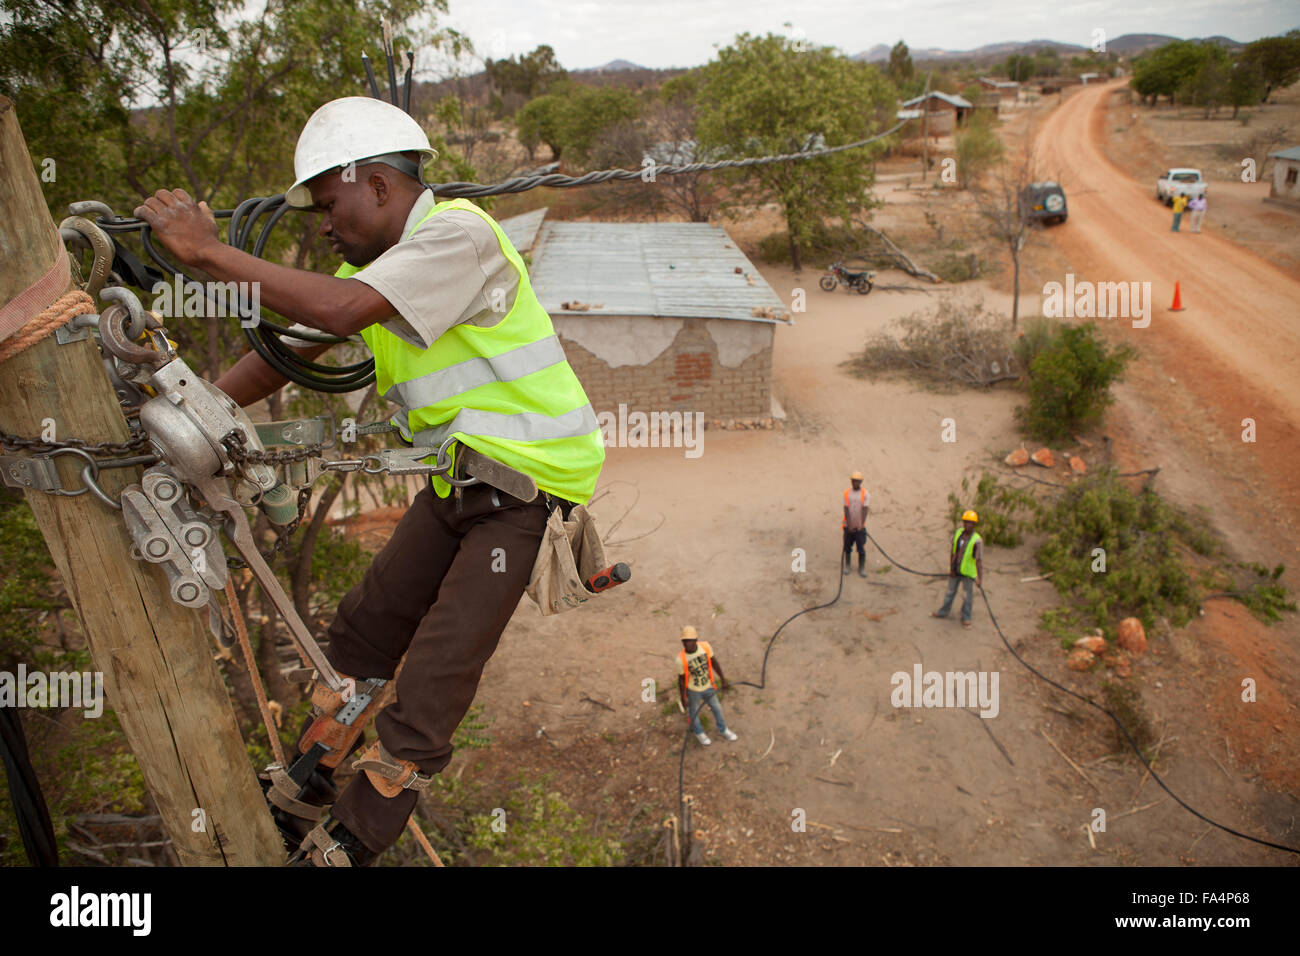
1018 67
1245 85
998 204
978 147
573 119
1208 86
1047 62
519 80
1277 59
1163 71
900 68
762 95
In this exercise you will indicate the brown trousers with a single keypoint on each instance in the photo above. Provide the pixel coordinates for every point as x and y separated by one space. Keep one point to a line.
439 593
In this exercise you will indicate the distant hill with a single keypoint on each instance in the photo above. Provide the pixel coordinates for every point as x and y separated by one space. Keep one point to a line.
1129 44
612 66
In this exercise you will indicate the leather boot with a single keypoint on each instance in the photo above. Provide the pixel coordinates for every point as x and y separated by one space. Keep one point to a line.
333 844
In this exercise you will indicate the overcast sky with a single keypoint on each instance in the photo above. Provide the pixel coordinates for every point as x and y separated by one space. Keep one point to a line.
664 33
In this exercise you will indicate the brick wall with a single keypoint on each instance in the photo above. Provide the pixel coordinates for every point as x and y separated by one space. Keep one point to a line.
686 377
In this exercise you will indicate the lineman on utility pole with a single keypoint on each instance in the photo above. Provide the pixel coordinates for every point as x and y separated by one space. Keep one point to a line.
464 348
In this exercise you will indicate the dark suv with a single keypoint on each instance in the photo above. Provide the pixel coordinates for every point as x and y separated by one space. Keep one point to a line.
1044 202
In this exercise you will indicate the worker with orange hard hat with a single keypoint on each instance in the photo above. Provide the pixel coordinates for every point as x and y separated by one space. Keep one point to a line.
856 505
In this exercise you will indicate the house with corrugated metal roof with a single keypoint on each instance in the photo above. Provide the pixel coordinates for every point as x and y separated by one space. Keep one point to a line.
1286 176
947 111
656 316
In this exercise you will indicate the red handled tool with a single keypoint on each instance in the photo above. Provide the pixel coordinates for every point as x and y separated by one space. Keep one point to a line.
611 577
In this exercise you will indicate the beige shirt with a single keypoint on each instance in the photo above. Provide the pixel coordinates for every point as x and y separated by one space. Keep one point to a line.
449 270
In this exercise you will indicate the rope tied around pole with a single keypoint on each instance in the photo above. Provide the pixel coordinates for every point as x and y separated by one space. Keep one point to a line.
24 322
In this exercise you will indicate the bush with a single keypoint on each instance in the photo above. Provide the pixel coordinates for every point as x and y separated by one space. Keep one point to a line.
1141 540
978 148
999 508
955 268
954 343
1069 382
828 243
1036 335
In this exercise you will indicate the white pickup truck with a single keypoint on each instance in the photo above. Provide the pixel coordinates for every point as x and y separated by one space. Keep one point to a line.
1180 182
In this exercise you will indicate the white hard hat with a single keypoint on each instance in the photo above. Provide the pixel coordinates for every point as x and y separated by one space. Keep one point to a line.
348 130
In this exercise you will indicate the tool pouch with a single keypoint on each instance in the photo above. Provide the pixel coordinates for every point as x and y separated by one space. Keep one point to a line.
571 552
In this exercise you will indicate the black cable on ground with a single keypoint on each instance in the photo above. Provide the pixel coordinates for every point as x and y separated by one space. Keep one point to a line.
1088 700
25 790
681 765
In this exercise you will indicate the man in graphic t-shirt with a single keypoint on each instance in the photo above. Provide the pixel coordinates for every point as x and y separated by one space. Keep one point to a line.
695 667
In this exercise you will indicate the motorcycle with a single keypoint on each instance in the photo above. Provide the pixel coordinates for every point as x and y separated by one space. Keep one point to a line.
860 282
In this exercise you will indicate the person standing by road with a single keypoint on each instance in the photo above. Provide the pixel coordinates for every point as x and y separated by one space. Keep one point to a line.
1179 204
1197 209
695 684
965 567
856 505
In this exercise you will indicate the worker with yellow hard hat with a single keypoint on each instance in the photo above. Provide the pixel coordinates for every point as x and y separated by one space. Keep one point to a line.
856 505
965 567
696 685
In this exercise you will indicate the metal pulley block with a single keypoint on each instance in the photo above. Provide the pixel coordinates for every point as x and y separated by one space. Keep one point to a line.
166 530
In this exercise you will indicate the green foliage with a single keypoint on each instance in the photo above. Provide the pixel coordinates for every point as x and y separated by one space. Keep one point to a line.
1143 540
86 770
900 69
25 569
541 828
956 342
1018 67
472 734
955 268
526 77
1275 59
1069 382
1207 87
767 95
338 563
571 121
1038 333
1005 512
829 242
1266 597
1166 70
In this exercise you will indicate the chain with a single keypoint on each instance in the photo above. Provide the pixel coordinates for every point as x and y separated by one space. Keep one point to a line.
137 442
240 454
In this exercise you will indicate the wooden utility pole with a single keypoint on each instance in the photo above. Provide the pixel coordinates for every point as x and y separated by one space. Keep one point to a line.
156 656
925 128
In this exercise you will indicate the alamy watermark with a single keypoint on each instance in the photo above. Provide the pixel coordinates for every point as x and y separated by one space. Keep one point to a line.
83 689
653 430
1098 300
946 689
218 300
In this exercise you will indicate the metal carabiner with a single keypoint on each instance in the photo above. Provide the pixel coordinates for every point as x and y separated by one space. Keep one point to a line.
443 466
91 466
84 232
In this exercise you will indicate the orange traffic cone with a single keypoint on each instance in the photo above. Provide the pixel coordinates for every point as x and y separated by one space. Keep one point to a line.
1177 305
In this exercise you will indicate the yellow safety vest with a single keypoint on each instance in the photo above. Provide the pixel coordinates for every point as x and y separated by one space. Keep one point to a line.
968 568
507 390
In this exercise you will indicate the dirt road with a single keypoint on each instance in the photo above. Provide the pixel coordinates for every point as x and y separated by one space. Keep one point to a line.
1233 354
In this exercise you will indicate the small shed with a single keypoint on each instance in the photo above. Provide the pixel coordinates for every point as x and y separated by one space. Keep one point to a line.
1007 90
946 111
1286 176
659 317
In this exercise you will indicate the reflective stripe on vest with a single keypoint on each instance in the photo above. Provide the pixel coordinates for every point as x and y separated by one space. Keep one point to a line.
844 522
506 390
968 568
686 670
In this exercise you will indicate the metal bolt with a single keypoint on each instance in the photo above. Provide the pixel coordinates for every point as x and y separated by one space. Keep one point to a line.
165 490
189 591
156 547
196 537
